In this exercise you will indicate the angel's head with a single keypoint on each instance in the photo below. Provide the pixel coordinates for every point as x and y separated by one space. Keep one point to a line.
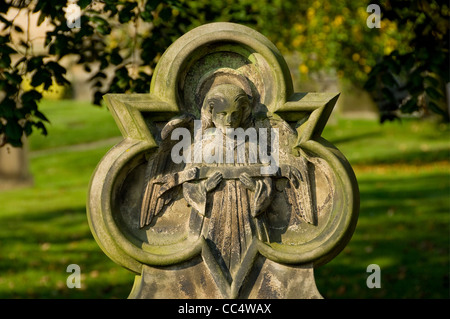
226 106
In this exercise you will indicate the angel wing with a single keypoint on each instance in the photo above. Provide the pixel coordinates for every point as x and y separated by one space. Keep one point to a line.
299 194
162 174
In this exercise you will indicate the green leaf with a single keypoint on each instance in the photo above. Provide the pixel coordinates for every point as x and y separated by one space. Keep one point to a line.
6 49
28 128
433 93
48 83
39 5
115 57
41 116
4 38
393 65
151 5
14 78
408 62
34 63
83 3
98 96
98 20
370 83
37 79
388 94
42 76
415 81
55 67
5 61
42 127
7 107
436 109
422 53
147 16
410 106
13 130
126 13
432 81
29 107
14 142
31 95
389 80
165 14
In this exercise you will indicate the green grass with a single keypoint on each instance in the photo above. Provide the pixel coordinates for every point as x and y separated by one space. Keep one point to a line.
44 228
74 123
410 141
403 171
404 228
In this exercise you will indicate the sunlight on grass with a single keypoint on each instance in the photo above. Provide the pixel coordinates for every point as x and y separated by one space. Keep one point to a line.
73 123
410 141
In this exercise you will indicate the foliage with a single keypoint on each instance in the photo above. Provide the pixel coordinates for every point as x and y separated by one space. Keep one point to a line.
414 80
127 38
19 112
404 63
333 37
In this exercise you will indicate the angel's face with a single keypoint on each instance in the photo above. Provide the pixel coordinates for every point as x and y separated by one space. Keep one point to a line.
227 103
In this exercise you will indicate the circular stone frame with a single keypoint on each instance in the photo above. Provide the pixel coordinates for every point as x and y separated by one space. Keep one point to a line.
165 89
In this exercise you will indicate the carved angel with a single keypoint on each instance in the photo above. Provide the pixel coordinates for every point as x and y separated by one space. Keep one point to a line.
229 198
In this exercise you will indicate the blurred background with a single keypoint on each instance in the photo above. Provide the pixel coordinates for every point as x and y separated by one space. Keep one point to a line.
390 61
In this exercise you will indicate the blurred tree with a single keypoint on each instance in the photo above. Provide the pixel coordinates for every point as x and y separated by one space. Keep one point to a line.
129 37
333 37
404 64
415 79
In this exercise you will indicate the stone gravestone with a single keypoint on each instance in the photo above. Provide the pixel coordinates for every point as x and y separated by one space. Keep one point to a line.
222 186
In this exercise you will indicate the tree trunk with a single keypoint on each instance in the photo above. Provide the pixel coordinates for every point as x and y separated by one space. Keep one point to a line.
14 167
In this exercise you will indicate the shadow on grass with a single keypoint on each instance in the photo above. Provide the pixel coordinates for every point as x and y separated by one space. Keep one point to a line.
353 137
38 247
403 227
413 157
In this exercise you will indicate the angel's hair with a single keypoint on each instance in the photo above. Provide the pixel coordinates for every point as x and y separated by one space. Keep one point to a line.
226 90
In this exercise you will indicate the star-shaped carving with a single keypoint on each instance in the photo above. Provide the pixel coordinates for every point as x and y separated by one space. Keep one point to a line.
128 109
312 110
134 114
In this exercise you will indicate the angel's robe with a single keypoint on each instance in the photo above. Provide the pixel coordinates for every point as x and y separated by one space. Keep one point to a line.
231 213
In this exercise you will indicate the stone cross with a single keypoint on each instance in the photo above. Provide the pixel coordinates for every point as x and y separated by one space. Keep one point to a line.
222 186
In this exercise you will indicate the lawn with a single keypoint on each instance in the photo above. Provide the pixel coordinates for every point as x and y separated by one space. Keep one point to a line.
403 171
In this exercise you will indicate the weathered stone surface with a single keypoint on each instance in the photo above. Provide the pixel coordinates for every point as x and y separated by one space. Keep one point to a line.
225 220
190 279
270 280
